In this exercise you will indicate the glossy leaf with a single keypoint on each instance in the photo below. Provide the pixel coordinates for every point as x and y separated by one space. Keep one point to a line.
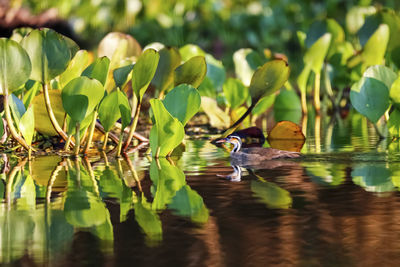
269 78
375 48
381 73
17 109
271 195
167 132
235 92
109 110
246 62
117 46
164 76
27 125
191 72
370 97
121 75
49 53
16 65
144 71
98 70
75 67
182 102
80 96
190 50
315 56
42 122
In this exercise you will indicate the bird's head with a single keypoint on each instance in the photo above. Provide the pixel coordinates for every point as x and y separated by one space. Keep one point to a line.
234 140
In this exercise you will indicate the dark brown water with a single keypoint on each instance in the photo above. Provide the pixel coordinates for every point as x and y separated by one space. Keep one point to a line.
339 205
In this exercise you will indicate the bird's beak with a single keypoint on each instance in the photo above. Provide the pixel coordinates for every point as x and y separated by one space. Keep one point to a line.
223 140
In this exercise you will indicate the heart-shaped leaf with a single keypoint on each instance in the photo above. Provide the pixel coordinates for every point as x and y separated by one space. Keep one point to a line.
16 66
235 92
144 71
375 48
370 97
381 73
80 96
27 125
49 53
75 67
109 110
191 72
183 102
167 132
315 56
98 70
121 75
170 59
268 79
148 219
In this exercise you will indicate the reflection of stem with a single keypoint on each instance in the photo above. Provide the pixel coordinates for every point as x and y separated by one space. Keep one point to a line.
91 174
52 179
317 134
303 101
133 125
77 139
105 158
20 166
50 112
105 141
91 132
134 173
304 124
317 92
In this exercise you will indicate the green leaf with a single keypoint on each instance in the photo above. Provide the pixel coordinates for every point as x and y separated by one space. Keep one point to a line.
218 118
182 102
117 46
395 93
394 123
75 67
370 97
80 96
167 132
271 195
121 75
235 92
17 109
110 109
31 90
246 61
215 72
19 33
15 65
164 76
268 79
191 72
381 73
287 107
264 103
98 70
375 48
143 71
49 53
27 125
190 50
315 56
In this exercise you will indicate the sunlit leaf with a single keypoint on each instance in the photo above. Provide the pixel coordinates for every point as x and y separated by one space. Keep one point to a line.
190 50
148 219
370 97
80 96
167 132
316 54
31 90
375 48
109 110
98 70
263 104
286 135
121 75
75 67
191 72
27 125
17 108
394 123
170 59
16 66
246 62
395 93
19 33
114 42
182 102
218 118
235 92
144 71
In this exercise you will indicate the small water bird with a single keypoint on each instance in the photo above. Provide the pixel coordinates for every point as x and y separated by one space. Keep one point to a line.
254 155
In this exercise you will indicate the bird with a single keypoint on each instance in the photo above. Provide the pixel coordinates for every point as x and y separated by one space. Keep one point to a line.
254 155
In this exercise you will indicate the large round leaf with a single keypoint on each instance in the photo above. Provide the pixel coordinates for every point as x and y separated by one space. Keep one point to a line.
183 102
49 53
80 96
75 67
143 71
381 73
111 107
15 65
191 72
167 132
269 78
370 97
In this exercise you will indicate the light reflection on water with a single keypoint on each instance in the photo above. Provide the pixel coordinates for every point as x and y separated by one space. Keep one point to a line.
338 205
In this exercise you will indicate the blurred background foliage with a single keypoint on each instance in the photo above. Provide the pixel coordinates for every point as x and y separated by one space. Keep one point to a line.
219 27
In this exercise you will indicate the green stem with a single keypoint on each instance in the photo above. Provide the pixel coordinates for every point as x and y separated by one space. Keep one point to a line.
10 122
121 138
66 147
105 141
317 85
91 132
132 126
303 101
77 139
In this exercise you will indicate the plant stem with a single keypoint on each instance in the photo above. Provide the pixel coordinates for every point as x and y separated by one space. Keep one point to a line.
52 117
121 137
317 85
77 139
381 136
303 102
10 122
66 147
105 141
132 126
91 132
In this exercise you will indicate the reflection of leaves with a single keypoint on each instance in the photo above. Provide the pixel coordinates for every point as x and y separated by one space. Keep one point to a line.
271 194
109 184
189 203
373 178
326 173
167 180
148 219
